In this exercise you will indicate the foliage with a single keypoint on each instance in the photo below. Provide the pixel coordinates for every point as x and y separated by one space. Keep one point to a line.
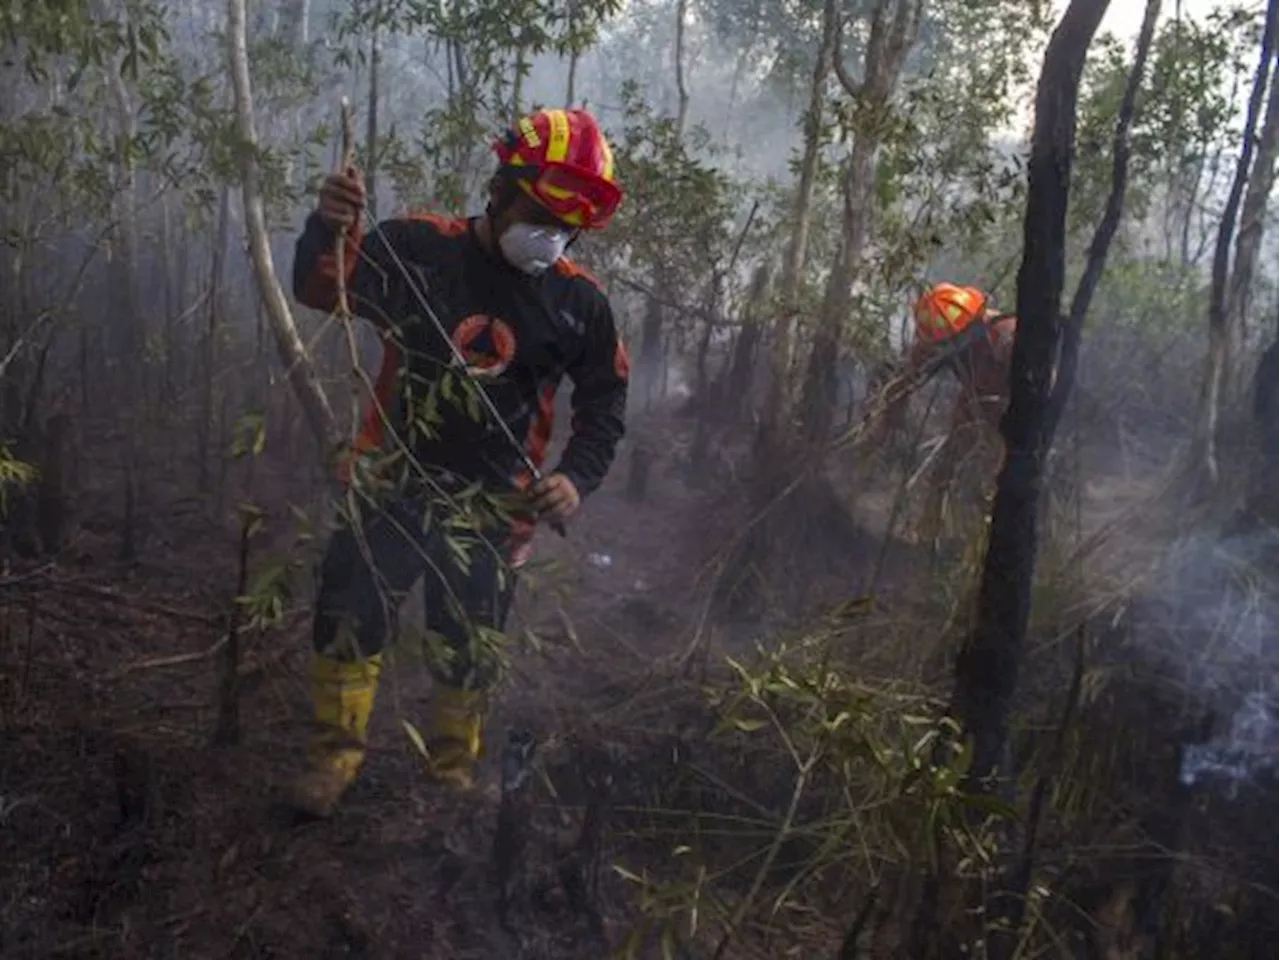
677 215
874 778
128 100
1184 134
14 474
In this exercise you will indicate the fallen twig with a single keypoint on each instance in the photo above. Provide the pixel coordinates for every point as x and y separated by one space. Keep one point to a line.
104 593
173 660
178 659
26 577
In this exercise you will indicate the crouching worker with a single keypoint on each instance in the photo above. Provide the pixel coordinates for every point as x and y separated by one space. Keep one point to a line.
437 490
954 330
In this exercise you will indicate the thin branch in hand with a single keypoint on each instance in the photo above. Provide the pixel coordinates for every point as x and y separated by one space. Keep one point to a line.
340 245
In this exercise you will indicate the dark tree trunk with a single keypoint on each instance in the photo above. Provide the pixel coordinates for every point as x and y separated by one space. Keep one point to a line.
742 362
988 664
650 365
987 669
51 491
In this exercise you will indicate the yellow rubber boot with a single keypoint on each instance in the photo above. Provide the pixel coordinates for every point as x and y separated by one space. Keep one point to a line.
453 736
342 694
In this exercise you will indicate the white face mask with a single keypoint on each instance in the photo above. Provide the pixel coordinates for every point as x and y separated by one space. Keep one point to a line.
531 248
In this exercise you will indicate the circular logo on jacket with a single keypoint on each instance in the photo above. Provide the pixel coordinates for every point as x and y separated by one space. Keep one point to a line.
487 344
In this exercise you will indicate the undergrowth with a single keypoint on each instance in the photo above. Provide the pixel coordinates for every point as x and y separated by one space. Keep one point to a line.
826 791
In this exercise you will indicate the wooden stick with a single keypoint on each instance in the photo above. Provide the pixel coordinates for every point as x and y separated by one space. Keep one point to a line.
345 160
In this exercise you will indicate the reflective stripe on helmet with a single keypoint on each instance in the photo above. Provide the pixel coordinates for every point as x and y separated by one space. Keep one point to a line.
558 146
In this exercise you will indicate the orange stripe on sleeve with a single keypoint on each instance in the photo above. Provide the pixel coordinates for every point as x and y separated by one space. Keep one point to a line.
321 288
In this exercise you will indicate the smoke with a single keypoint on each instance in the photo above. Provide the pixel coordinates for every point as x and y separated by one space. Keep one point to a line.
1218 629
1245 752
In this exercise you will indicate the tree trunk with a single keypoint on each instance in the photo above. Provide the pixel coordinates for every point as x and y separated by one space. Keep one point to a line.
517 84
987 667
371 130
742 363
131 341
293 354
575 53
51 487
745 55
1107 226
130 336
650 360
294 17
886 53
778 396
1204 463
172 301
682 92
209 345
1253 213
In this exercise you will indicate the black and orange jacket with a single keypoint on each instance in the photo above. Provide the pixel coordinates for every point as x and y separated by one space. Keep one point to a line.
520 335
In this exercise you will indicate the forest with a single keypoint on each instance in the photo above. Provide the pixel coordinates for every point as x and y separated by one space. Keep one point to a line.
852 654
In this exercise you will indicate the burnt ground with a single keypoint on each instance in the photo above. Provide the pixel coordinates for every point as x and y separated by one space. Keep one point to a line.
126 833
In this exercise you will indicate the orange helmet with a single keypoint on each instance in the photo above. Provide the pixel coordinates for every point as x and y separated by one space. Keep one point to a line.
568 163
946 309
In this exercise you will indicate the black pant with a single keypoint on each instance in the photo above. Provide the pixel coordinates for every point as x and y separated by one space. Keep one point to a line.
370 566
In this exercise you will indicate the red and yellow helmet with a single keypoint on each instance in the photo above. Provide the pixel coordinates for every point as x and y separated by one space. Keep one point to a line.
569 164
946 309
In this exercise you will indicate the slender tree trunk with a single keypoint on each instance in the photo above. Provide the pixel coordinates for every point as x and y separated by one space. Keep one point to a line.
742 363
132 342
171 300
650 359
778 405
131 336
1204 462
575 53
209 345
293 353
1253 213
1096 260
294 17
371 130
682 92
891 38
570 93
517 83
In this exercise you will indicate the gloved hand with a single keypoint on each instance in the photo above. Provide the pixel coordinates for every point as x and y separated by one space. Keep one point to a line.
556 498
342 199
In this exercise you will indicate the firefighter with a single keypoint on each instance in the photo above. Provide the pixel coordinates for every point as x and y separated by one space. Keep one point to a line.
955 330
523 316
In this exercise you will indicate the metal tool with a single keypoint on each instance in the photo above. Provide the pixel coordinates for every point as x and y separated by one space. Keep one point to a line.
460 362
